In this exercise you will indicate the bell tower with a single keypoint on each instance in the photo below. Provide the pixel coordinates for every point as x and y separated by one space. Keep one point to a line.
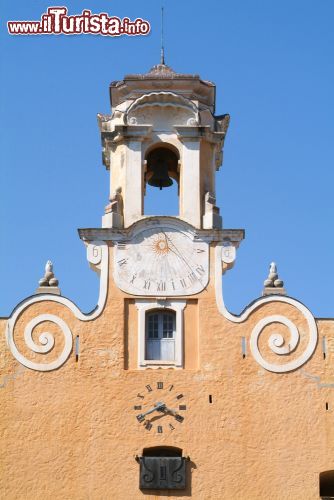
162 127
160 387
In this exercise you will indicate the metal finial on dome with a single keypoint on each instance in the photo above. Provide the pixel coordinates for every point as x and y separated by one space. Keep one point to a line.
272 284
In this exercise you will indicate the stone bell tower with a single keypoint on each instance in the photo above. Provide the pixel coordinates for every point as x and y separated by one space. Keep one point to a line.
162 121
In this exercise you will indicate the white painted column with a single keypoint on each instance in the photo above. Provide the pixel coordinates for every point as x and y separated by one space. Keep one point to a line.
133 200
190 182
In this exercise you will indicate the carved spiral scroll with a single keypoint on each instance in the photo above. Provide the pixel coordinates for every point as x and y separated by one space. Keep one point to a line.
46 343
280 345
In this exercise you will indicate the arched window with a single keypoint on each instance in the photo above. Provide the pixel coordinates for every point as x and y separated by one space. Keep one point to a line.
160 332
162 181
326 480
160 335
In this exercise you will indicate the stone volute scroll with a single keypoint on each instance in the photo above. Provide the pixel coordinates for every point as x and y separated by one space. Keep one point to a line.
42 341
281 341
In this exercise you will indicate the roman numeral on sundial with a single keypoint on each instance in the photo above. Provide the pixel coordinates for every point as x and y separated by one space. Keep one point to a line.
122 262
147 284
200 270
121 245
183 282
192 277
161 286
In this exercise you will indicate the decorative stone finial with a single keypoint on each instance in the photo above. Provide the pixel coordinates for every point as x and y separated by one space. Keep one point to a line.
48 284
273 285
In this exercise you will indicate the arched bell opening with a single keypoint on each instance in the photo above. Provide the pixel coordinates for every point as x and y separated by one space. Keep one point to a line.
162 176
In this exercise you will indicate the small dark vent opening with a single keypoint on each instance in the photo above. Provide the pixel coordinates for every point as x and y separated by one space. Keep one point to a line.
162 451
326 480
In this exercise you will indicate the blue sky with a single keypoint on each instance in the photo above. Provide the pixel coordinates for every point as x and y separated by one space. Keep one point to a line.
273 66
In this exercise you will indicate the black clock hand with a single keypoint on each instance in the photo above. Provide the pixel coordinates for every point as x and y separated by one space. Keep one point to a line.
166 410
156 407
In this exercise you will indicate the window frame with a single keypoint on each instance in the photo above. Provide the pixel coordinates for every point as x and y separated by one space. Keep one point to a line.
145 306
160 327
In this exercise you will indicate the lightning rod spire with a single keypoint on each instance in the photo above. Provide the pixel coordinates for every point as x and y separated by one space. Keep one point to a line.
162 53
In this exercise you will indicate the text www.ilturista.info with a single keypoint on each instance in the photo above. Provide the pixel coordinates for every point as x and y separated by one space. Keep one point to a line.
56 22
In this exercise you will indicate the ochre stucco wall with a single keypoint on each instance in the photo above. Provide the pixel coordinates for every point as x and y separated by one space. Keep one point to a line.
72 433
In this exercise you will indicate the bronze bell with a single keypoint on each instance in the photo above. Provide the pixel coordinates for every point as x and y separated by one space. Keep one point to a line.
160 177
161 162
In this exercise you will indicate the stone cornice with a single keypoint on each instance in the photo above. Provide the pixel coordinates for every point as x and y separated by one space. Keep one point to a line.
193 133
126 133
112 234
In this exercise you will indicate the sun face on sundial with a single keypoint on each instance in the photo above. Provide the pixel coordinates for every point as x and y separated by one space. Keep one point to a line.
160 245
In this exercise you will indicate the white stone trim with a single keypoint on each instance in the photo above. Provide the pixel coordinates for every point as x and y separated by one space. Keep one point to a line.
143 307
97 256
133 189
190 199
276 342
46 340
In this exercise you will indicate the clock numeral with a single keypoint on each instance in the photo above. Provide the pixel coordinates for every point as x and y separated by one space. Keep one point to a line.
179 418
171 387
148 426
200 270
179 396
122 262
147 284
199 250
140 396
140 417
160 385
161 286
182 407
137 407
133 278
159 429
172 283
192 277
149 388
183 282
171 427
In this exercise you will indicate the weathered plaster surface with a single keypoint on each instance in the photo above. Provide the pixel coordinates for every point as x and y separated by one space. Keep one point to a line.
72 432
253 430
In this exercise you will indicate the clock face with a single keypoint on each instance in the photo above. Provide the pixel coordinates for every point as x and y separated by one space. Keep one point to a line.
160 408
162 261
